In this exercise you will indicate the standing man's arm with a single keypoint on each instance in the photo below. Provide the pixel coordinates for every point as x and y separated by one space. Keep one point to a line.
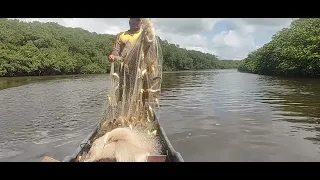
116 49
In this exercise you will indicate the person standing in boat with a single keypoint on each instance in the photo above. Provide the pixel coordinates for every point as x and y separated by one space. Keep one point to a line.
125 41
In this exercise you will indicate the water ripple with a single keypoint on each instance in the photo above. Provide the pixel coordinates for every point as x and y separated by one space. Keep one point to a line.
218 115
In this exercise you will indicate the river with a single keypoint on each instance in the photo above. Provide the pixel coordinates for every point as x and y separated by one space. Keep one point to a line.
214 115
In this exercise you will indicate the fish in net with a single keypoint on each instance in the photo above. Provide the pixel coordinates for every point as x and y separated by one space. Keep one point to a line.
133 98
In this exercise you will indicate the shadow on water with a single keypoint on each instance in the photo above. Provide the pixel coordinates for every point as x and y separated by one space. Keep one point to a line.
213 115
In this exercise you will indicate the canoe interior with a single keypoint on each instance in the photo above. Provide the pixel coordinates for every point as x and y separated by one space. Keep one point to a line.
167 148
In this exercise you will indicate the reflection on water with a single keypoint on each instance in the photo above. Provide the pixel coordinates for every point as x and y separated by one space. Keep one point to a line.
49 117
9 82
234 116
218 115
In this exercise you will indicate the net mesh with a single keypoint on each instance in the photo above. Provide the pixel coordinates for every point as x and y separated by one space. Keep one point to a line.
133 98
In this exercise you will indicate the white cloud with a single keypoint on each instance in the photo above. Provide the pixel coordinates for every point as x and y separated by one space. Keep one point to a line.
239 36
233 45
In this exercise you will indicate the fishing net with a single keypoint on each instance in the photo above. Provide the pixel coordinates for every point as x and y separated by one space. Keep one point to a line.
133 98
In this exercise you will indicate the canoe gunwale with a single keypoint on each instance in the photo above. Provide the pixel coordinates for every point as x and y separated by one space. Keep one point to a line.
172 154
79 150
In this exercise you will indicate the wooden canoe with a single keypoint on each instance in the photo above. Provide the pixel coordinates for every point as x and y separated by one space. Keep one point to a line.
168 152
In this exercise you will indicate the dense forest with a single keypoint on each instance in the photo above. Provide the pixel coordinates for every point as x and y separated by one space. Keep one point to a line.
229 64
293 51
34 48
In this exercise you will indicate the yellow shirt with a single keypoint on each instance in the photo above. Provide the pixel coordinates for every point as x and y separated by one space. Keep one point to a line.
125 40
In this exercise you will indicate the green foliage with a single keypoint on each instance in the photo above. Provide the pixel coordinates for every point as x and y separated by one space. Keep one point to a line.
34 48
293 51
229 64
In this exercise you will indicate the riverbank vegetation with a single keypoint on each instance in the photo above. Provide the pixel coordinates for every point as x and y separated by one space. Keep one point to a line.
293 51
229 64
34 48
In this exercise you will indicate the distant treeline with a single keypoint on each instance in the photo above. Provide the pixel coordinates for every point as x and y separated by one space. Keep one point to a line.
293 51
34 48
229 64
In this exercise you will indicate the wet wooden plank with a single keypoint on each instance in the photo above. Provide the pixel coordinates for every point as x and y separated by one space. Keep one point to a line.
107 160
49 159
159 158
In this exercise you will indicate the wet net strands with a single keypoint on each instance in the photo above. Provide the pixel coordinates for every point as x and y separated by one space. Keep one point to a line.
133 99
134 95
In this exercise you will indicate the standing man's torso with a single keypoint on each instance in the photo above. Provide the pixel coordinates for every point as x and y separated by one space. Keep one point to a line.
128 40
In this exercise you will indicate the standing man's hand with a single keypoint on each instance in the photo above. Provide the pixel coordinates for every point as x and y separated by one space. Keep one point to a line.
111 58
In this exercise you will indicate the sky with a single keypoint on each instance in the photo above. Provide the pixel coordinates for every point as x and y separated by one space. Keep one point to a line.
227 38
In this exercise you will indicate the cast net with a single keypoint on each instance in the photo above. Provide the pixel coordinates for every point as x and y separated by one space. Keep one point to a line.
133 98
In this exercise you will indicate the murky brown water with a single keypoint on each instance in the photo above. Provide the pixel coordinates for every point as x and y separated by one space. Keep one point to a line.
218 115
